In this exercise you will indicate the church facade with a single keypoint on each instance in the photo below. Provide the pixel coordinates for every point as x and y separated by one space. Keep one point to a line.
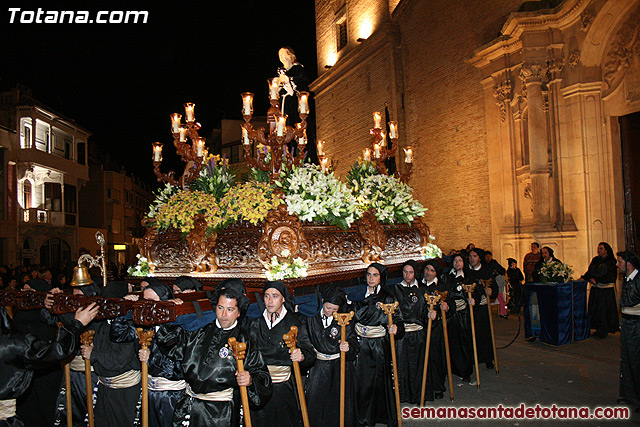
523 115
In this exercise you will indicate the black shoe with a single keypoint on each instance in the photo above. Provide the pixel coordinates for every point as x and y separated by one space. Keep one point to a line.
489 365
439 395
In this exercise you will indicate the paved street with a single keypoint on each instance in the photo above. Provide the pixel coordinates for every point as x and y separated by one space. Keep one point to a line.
579 374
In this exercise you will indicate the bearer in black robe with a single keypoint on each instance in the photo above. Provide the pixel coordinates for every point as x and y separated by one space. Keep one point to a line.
165 382
459 321
602 274
212 396
78 379
437 369
323 382
276 320
21 353
118 370
629 264
410 349
374 392
482 298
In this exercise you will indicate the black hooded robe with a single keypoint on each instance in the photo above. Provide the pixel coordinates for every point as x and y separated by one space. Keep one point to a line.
208 366
323 383
375 390
283 408
21 353
481 313
459 327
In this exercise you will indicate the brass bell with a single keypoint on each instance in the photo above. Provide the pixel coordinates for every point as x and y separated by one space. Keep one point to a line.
81 276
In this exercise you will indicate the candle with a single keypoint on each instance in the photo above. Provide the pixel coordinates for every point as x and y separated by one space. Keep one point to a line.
324 162
199 147
303 103
183 134
320 146
408 155
188 109
157 152
247 104
366 154
282 121
175 122
393 129
245 136
303 139
376 151
383 141
377 119
274 89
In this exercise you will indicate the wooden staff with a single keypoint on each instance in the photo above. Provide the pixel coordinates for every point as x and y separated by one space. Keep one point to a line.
431 300
67 386
389 309
87 339
469 289
443 295
291 338
145 338
343 320
239 349
487 284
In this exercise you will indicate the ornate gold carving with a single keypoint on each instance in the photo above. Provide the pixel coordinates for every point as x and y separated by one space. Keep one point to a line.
153 312
586 19
574 58
202 247
282 232
531 72
374 238
503 94
624 50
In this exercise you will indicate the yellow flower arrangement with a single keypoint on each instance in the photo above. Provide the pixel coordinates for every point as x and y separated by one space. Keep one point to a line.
181 208
250 201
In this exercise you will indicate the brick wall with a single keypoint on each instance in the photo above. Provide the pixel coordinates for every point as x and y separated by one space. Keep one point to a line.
444 112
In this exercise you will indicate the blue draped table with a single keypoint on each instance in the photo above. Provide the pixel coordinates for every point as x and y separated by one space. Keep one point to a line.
562 312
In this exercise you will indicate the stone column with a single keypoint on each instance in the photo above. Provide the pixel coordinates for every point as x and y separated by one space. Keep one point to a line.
532 75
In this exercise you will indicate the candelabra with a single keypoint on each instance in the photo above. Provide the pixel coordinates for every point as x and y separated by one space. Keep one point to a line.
189 146
81 276
380 152
272 151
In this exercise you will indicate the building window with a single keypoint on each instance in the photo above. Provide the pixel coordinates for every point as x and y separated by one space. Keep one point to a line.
53 196
25 141
81 153
55 252
67 149
341 33
70 201
26 194
115 226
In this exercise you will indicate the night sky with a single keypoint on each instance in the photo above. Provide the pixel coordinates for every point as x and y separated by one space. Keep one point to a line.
121 81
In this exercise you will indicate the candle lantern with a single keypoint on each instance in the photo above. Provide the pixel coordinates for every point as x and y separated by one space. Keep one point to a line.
175 122
157 152
200 147
189 111
303 102
393 130
377 120
247 104
366 154
408 155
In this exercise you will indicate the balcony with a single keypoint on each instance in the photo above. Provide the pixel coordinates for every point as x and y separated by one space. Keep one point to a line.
43 216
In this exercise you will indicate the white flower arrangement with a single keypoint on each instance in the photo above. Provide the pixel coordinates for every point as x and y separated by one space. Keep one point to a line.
315 196
391 200
141 268
555 272
162 196
431 250
290 269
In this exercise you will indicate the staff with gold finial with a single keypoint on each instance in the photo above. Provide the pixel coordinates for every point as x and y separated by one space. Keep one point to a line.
239 349
87 340
389 309
431 301
469 289
145 338
343 320
291 338
487 284
443 296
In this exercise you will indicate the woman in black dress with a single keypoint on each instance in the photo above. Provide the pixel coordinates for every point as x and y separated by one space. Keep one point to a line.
602 274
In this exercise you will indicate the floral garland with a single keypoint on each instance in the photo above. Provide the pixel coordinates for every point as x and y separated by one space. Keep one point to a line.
431 250
250 201
315 196
291 268
141 268
555 272
390 199
180 210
